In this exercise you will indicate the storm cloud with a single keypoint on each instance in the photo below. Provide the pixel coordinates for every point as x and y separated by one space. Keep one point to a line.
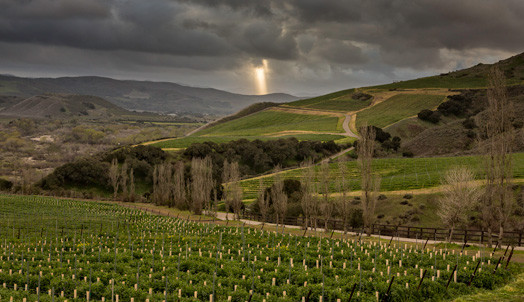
311 46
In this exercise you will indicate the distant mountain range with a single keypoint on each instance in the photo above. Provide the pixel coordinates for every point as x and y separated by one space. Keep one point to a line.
60 105
161 97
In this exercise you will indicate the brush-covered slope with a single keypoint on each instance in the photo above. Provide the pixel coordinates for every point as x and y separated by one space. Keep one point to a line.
63 105
141 95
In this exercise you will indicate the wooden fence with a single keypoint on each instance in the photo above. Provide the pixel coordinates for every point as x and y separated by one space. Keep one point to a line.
437 234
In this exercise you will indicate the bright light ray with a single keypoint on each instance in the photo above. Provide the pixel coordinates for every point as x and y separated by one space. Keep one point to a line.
260 77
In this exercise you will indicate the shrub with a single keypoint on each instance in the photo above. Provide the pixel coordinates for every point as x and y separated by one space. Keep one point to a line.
430 116
456 105
407 196
89 105
355 218
84 172
361 96
5 185
407 154
469 123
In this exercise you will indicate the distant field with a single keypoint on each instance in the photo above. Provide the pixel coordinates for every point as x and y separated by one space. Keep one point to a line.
396 173
185 142
319 99
397 108
338 101
267 122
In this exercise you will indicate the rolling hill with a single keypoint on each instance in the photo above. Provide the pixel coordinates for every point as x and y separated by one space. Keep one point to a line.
62 106
393 107
162 97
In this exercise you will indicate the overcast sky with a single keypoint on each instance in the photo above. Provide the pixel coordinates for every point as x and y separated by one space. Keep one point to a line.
311 46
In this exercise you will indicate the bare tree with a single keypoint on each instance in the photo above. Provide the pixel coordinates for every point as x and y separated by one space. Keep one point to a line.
234 188
226 195
308 201
263 200
326 206
459 198
201 183
124 177
162 184
131 195
342 200
179 186
213 207
114 175
278 196
498 200
370 183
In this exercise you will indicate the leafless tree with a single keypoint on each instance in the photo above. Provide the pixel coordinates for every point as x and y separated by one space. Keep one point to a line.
370 183
326 206
343 201
213 207
124 177
307 202
498 199
234 189
179 186
162 184
131 195
278 196
226 172
201 183
459 198
114 175
263 200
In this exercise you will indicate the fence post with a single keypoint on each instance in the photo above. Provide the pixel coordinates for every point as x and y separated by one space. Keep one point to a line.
481 236
408 231
520 239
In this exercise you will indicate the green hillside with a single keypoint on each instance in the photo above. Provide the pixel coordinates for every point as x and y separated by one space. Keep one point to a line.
265 125
397 174
396 108
320 117
473 77
271 122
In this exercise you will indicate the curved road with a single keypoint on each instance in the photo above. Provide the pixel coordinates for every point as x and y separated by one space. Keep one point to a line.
345 125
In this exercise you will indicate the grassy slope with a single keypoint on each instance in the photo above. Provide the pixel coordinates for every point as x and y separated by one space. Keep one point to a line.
397 173
266 122
338 101
473 77
264 125
396 108
320 99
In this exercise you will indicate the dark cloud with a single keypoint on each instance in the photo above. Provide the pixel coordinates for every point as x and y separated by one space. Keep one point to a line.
54 9
304 40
